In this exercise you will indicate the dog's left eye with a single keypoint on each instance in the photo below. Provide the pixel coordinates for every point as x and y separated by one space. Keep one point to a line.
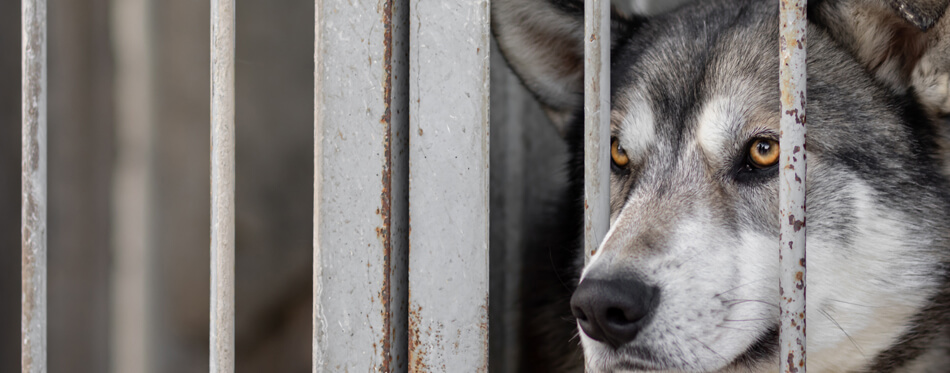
617 153
763 153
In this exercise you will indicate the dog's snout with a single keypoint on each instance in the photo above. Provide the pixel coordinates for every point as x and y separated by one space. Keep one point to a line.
613 311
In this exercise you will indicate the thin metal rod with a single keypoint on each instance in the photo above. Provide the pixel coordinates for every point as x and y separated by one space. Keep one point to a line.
792 73
133 191
222 185
33 187
596 124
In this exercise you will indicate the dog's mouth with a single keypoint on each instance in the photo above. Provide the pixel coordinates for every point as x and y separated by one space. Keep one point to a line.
640 358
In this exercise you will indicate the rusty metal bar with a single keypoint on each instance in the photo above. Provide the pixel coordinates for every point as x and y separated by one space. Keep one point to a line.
596 124
449 160
792 74
33 187
360 217
222 186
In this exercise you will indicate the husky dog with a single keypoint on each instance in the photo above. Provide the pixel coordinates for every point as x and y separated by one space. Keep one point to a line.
686 279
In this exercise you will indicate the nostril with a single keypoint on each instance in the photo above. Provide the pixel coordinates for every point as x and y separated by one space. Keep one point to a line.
617 316
579 313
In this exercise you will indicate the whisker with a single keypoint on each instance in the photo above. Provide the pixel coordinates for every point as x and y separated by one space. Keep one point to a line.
740 301
733 328
698 253
853 304
577 336
734 302
762 319
821 311
710 349
746 284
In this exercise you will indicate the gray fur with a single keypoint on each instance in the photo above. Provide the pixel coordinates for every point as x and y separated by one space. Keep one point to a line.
690 90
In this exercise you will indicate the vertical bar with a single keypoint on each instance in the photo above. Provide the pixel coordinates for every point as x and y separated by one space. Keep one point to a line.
33 214
132 188
596 124
361 159
222 186
449 160
792 74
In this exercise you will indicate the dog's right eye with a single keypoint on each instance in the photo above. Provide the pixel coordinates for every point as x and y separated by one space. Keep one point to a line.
617 153
764 153
759 161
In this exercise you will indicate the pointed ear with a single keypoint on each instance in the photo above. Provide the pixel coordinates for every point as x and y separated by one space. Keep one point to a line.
903 43
543 41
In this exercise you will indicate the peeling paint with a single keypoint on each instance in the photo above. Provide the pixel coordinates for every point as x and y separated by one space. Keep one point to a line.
792 285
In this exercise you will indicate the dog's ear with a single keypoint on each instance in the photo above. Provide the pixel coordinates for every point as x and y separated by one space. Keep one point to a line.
903 43
921 13
543 41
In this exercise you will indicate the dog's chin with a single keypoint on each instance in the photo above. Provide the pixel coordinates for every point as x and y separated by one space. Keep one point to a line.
635 358
602 358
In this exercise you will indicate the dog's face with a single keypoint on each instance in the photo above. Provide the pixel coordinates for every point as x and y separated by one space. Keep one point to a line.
687 277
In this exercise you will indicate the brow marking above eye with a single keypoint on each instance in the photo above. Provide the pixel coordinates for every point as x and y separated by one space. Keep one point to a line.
717 125
635 125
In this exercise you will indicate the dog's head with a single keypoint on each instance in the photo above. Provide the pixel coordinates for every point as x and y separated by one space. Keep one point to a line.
687 277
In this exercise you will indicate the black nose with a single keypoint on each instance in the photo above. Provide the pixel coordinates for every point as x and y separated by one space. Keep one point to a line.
614 311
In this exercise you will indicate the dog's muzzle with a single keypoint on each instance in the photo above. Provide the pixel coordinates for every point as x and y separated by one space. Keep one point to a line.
614 311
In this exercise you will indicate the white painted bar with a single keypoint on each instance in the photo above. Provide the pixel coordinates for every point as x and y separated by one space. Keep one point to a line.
360 222
792 78
132 195
222 186
449 160
596 124
33 187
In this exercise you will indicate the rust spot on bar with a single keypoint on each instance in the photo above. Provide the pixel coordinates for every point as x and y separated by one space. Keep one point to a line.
386 196
417 352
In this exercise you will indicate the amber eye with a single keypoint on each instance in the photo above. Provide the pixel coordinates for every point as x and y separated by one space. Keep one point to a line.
764 153
616 152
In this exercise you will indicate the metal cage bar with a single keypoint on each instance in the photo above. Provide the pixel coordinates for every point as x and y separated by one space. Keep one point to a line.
792 77
33 188
360 216
222 186
596 124
133 186
449 160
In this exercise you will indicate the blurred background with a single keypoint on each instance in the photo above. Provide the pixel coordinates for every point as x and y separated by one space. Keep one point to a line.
129 185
